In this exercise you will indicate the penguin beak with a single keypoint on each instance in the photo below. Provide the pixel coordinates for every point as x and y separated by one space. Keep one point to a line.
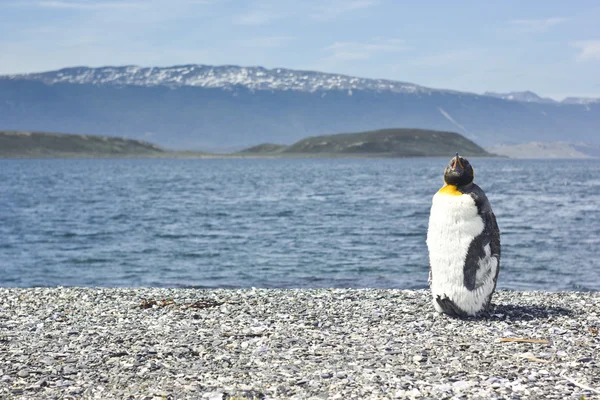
456 163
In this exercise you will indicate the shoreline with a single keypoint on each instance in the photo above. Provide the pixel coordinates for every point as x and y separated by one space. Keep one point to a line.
293 343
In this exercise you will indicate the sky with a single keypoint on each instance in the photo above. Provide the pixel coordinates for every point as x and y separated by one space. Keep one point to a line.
549 47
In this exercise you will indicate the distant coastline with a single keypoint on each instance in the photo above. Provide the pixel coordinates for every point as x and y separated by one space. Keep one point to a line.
386 143
23 144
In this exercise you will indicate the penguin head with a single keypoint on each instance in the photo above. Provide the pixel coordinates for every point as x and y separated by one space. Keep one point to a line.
459 172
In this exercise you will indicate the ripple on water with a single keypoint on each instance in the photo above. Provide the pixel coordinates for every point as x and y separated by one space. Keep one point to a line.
282 223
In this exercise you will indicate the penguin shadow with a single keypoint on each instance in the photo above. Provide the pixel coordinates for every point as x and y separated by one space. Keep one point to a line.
518 312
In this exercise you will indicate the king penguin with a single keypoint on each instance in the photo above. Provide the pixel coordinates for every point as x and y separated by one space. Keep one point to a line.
464 244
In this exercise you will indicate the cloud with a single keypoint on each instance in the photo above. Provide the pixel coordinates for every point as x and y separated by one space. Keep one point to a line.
264 12
264 42
535 25
100 4
463 69
82 5
451 58
363 51
345 6
589 50
333 8
145 32
257 17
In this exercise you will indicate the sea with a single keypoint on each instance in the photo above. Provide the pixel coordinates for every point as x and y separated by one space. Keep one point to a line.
283 223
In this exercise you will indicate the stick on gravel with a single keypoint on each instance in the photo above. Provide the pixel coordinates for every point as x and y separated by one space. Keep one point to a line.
523 340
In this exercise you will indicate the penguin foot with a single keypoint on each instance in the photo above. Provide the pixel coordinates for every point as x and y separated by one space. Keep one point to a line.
450 308
484 314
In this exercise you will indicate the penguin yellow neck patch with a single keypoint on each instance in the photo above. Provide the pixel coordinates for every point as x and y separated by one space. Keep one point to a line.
450 190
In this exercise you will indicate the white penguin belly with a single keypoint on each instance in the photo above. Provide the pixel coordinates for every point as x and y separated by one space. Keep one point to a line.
453 224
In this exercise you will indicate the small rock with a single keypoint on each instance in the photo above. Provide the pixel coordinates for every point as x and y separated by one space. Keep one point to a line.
76 390
47 360
41 383
461 385
23 373
69 370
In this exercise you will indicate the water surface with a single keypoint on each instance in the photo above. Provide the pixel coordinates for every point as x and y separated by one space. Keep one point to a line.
283 222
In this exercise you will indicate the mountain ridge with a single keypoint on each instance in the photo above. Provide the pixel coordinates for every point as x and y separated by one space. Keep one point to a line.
256 78
236 107
525 96
223 76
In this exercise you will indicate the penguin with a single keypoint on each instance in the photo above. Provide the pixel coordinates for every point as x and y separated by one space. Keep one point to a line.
463 241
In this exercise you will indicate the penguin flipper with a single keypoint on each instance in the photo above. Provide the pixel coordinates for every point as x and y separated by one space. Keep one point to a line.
483 258
495 244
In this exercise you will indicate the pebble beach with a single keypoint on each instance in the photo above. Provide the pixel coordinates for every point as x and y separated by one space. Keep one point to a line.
99 343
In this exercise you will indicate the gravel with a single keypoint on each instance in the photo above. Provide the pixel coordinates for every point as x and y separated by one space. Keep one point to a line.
269 344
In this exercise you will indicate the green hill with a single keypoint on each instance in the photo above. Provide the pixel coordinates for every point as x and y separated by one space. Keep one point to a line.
38 144
265 148
379 143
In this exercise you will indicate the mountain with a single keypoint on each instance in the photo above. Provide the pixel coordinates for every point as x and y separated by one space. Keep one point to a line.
580 100
548 150
40 144
227 108
227 77
526 96
381 143
530 97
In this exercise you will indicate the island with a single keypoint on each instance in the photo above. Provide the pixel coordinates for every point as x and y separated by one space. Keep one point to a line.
19 144
378 143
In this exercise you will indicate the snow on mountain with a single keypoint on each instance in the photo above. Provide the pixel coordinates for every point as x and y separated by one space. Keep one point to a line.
527 96
228 77
530 97
257 78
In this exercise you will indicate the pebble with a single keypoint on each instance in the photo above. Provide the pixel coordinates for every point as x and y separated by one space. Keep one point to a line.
300 344
23 373
69 370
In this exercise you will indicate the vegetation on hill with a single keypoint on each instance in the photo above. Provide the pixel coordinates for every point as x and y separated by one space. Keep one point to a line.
383 143
380 143
38 144
265 148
